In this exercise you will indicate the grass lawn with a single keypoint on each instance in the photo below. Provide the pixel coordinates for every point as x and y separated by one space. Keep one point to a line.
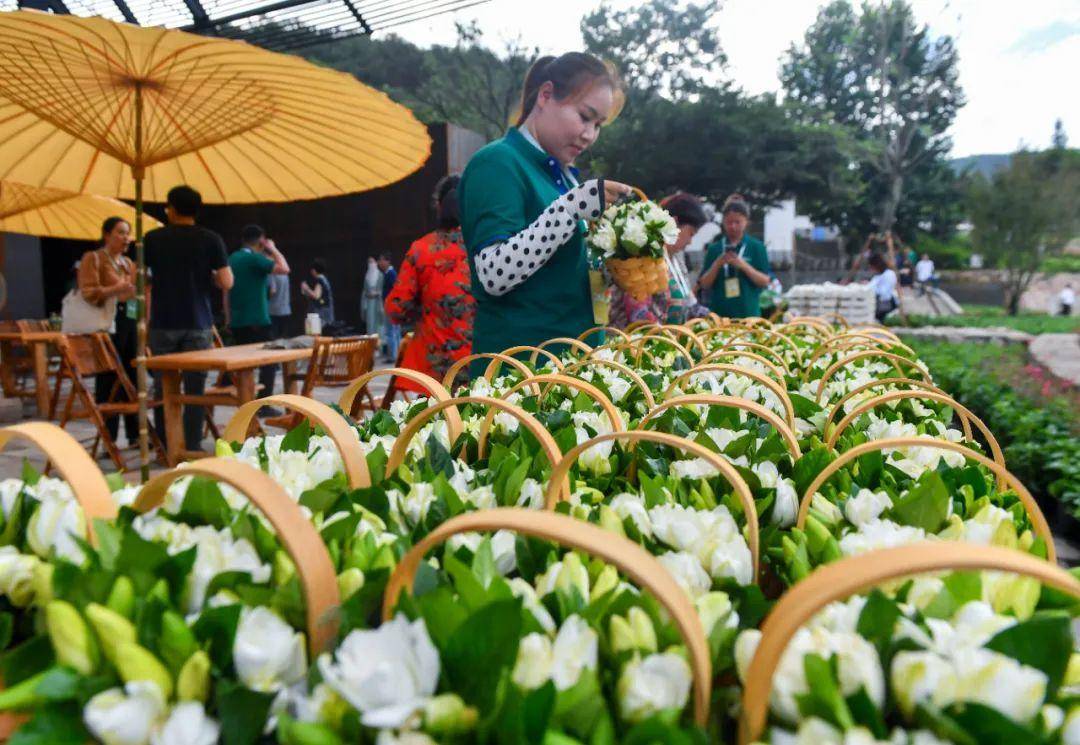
994 315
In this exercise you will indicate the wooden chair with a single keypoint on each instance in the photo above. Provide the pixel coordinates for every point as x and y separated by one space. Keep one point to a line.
222 386
392 390
335 362
84 355
18 368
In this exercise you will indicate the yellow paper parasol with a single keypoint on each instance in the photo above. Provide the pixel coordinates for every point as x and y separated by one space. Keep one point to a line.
58 214
90 105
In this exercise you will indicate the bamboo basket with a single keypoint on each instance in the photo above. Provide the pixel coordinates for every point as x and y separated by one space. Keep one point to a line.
642 276
492 371
619 367
841 579
720 367
732 402
632 560
425 382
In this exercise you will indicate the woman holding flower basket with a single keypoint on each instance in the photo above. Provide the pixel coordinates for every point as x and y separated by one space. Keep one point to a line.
523 210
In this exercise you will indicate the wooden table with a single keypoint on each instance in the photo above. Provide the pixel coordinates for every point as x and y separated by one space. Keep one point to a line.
241 362
38 343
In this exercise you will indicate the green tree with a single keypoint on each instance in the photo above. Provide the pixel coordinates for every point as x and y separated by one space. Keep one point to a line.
1026 212
894 84
1059 140
660 46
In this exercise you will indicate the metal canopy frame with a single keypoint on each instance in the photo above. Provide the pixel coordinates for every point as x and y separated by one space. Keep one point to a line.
280 25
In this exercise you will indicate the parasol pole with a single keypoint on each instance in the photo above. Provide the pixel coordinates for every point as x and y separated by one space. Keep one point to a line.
138 171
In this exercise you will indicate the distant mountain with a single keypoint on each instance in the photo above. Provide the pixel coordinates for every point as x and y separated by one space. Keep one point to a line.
985 164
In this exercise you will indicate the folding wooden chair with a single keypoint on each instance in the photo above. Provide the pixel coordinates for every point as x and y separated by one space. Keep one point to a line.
84 355
392 390
335 362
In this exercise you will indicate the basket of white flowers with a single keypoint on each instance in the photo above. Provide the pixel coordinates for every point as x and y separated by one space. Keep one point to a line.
630 238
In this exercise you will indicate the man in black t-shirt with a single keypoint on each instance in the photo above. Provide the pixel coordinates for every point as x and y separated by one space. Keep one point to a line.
186 263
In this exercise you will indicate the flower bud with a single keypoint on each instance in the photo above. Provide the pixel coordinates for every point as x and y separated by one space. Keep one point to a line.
71 638
620 634
193 682
574 575
827 512
137 663
292 732
41 582
160 590
350 582
223 449
447 714
122 597
17 572
954 529
606 581
1015 594
644 633
610 521
284 568
714 608
177 642
111 628
1072 672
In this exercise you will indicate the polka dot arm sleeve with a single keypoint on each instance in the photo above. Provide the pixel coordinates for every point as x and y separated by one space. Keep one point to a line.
503 266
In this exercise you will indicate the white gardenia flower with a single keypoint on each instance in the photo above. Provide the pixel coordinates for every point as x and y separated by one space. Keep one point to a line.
982 527
714 608
55 524
652 685
618 387
482 498
767 472
268 654
575 650
216 552
9 492
604 238
414 506
724 437
502 547
187 725
786 504
632 506
858 666
878 534
534 662
746 644
694 468
125 716
565 576
507 423
866 506
407 737
1070 732
634 232
532 495
712 537
969 674
687 572
16 575
595 459
463 477
388 673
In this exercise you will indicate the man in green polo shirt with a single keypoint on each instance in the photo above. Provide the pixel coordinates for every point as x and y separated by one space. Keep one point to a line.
249 310
736 266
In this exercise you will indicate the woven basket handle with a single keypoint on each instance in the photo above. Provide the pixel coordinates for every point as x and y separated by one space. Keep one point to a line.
491 371
1038 521
318 413
636 379
434 389
552 379
547 442
584 336
74 464
535 353
678 331
736 344
765 380
813 322
632 560
966 419
841 579
575 344
895 359
733 402
673 343
772 334
296 533
561 473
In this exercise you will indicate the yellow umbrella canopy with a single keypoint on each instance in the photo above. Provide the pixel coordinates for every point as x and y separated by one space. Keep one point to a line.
55 213
238 123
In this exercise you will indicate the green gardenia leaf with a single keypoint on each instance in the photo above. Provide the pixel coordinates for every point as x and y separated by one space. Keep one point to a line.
926 505
482 649
298 438
53 724
1044 642
242 713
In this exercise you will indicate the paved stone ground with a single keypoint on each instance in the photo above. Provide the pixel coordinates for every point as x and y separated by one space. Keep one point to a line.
956 334
1060 354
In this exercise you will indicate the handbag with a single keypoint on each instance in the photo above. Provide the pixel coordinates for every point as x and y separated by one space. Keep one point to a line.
77 316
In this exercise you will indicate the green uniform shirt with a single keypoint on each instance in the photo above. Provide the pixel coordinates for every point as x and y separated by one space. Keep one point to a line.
248 301
747 304
504 188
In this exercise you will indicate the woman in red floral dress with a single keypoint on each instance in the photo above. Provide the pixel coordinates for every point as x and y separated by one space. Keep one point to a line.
433 291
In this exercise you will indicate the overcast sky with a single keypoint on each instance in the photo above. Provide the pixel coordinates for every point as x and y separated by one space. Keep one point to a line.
1019 62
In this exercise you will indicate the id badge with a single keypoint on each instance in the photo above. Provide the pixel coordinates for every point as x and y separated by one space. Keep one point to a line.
131 309
601 298
731 287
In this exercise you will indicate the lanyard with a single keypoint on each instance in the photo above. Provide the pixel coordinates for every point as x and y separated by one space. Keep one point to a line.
742 250
564 179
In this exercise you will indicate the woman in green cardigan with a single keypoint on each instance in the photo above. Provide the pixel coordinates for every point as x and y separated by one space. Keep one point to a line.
524 211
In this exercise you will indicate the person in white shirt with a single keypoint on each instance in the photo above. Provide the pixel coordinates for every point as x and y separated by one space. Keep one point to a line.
1067 297
883 283
924 273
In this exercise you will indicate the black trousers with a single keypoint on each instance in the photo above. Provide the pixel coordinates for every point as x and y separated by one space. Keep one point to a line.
125 339
279 327
254 335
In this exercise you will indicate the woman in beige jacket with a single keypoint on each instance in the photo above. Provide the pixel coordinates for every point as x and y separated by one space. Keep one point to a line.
106 275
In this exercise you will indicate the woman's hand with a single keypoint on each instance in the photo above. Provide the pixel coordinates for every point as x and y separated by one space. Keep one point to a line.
614 191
